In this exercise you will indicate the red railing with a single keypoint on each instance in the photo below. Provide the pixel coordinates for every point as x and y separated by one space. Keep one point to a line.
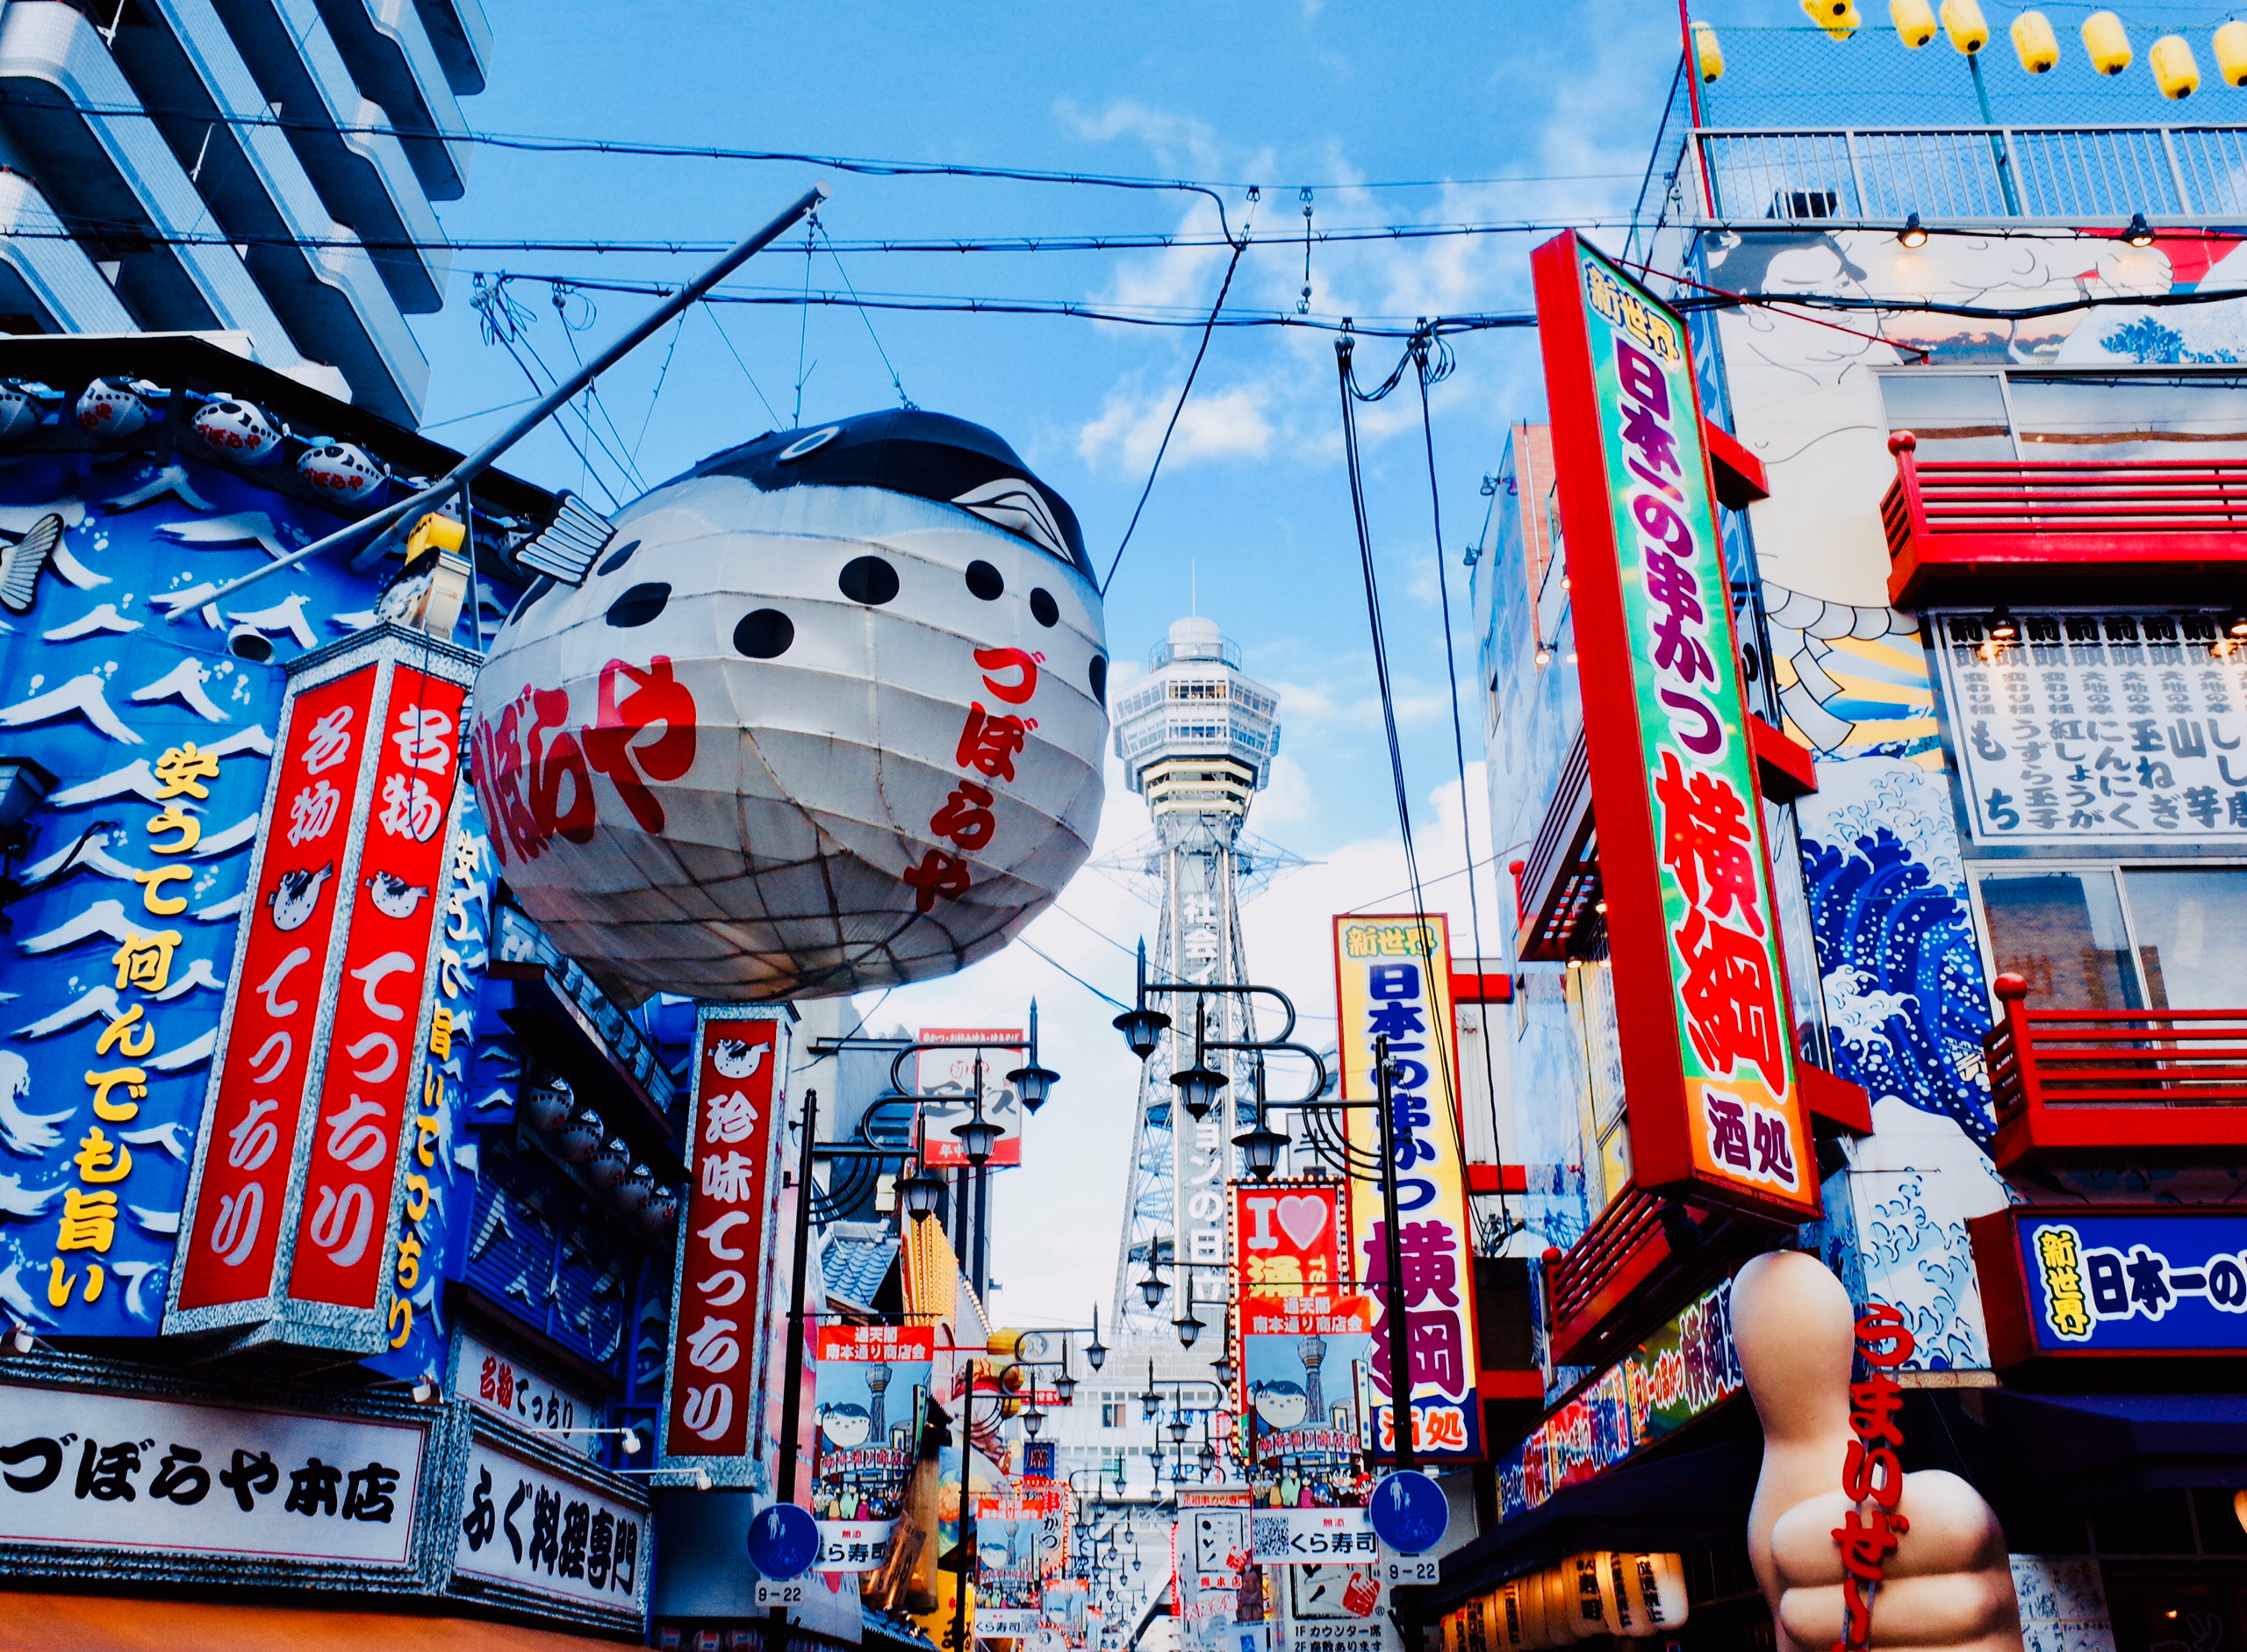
1979 532
2072 1082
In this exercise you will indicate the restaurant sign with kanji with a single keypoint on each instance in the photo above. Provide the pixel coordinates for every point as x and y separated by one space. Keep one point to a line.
115 1474
2123 1282
1683 862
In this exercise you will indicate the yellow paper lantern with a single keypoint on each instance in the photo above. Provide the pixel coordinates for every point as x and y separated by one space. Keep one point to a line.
1914 21
1838 18
2107 42
1708 55
1963 22
2035 44
2231 53
2174 71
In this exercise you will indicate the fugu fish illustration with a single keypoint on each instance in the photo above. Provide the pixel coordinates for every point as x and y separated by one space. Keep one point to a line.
296 894
394 897
739 1060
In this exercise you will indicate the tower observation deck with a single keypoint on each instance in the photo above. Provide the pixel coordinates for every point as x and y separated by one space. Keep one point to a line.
1197 738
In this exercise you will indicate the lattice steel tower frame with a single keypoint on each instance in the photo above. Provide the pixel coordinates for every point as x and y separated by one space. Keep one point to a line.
1197 738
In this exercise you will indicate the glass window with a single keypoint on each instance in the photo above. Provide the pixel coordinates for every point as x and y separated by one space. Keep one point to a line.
2191 942
2063 931
2197 416
1956 416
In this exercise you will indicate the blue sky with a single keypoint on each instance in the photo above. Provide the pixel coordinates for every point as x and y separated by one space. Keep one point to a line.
1390 114
1372 106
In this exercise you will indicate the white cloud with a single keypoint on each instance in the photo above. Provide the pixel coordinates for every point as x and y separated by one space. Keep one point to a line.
1286 800
1220 425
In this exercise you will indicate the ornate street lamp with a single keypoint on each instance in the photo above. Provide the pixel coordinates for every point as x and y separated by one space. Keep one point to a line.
921 1193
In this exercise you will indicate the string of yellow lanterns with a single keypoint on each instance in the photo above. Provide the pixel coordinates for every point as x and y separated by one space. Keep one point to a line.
2105 41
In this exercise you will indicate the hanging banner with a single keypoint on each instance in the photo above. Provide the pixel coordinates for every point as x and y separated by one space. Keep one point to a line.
1684 867
1010 1536
724 1281
1393 981
869 1383
1305 1368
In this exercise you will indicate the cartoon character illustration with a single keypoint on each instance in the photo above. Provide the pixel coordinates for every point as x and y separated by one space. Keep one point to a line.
1280 1406
394 897
860 668
737 1058
297 894
846 1427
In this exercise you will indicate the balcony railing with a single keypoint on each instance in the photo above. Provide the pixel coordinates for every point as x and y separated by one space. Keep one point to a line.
1980 532
2064 174
2083 1084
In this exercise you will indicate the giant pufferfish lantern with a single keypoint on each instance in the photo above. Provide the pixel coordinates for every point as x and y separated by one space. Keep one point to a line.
826 714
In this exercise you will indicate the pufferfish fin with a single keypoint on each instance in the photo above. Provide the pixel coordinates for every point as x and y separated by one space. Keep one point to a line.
565 547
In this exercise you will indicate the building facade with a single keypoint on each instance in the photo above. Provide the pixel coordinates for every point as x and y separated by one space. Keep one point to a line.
264 169
1961 456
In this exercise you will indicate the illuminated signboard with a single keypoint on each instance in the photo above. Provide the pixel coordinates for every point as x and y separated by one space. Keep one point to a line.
2076 1283
1392 980
1684 863
725 1242
325 1110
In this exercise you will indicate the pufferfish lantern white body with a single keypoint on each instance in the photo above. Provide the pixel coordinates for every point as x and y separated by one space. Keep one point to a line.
827 713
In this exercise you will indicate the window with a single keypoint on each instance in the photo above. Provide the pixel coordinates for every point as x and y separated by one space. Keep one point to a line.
2048 416
1956 416
2121 937
1111 1413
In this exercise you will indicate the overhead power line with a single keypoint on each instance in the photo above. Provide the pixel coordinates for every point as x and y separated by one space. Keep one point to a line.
540 143
1120 241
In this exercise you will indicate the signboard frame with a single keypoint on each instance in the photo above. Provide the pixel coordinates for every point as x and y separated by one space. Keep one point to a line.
1647 724
270 1314
2016 1279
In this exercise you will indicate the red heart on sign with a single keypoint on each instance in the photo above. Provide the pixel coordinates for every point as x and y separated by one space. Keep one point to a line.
1302 1216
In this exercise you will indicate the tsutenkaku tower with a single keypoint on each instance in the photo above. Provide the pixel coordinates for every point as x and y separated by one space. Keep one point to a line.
1197 738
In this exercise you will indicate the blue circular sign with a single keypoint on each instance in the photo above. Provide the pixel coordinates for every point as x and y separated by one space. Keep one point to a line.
784 1540
1409 1511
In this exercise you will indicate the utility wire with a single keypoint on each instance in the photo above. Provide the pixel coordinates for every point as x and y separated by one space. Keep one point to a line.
1184 390
903 400
76 226
1466 813
745 373
1416 354
553 144
1072 975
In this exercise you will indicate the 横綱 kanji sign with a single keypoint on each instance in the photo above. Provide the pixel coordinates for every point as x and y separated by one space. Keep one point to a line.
1683 862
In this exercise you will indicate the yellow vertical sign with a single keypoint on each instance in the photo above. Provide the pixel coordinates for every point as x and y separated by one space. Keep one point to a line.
1393 981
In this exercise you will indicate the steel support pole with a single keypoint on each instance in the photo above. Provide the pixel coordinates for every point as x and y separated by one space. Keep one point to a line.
476 462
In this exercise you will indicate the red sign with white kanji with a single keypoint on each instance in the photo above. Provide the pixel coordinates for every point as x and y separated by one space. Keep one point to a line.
375 1043
233 1227
725 1234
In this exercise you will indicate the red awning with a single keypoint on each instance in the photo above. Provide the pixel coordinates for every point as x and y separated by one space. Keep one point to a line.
111 1623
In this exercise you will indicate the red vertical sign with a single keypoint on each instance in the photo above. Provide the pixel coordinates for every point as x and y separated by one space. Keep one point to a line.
373 1042
236 1221
724 1235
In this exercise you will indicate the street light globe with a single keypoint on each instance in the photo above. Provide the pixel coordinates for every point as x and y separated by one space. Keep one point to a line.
1197 1089
1189 1327
978 1136
1033 1083
1142 1029
921 1193
1032 1420
1151 1287
1065 1389
1260 1149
